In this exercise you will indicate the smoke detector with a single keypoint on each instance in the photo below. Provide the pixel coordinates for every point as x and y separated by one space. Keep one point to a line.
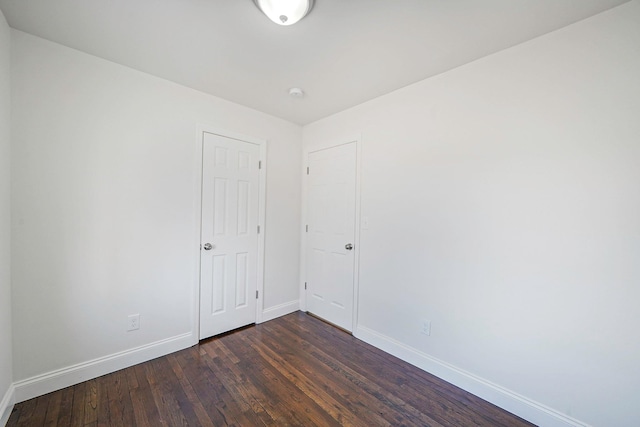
285 12
296 92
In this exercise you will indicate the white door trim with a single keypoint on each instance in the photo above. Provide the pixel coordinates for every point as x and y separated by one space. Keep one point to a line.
330 143
201 130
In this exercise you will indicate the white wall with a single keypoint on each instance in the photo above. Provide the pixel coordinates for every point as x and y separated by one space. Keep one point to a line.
104 210
503 201
5 222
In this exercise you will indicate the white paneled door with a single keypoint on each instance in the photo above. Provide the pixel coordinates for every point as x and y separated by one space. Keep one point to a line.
229 237
331 213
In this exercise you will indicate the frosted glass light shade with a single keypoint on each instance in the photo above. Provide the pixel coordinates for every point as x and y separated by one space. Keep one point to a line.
285 12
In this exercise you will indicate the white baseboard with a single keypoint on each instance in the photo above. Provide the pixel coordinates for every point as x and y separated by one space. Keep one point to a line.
61 378
506 399
280 310
6 405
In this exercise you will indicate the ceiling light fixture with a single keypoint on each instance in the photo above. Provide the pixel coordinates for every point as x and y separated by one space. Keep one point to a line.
296 92
285 12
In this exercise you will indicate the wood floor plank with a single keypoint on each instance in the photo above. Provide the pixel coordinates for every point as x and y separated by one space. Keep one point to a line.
293 371
121 411
283 395
66 407
144 406
53 409
78 406
204 383
91 402
394 410
309 386
336 388
190 394
242 409
235 380
14 418
103 413
22 413
40 411
169 394
409 400
167 408
449 408
28 412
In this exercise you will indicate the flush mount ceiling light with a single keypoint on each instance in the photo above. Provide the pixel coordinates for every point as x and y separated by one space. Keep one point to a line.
285 12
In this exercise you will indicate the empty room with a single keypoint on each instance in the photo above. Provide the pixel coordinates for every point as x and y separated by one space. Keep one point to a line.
320 212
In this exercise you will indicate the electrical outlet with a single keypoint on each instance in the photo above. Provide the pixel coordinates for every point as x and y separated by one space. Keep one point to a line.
426 327
133 322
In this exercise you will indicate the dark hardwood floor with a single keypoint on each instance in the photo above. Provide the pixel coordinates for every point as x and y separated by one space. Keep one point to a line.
295 370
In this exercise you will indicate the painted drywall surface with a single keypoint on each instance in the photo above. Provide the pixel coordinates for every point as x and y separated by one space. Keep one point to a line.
5 210
104 211
503 204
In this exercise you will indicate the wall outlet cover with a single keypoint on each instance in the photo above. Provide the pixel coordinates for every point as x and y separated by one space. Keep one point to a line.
426 327
133 322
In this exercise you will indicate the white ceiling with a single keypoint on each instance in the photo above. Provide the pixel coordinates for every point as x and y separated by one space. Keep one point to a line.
345 52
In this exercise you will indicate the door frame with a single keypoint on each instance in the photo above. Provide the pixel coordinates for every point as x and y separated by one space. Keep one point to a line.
310 148
201 130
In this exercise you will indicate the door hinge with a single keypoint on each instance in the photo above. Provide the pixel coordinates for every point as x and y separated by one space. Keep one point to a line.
258 229
307 170
307 228
260 164
256 294
305 286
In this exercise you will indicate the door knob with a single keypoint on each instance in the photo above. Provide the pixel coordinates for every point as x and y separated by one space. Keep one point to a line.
348 246
208 246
